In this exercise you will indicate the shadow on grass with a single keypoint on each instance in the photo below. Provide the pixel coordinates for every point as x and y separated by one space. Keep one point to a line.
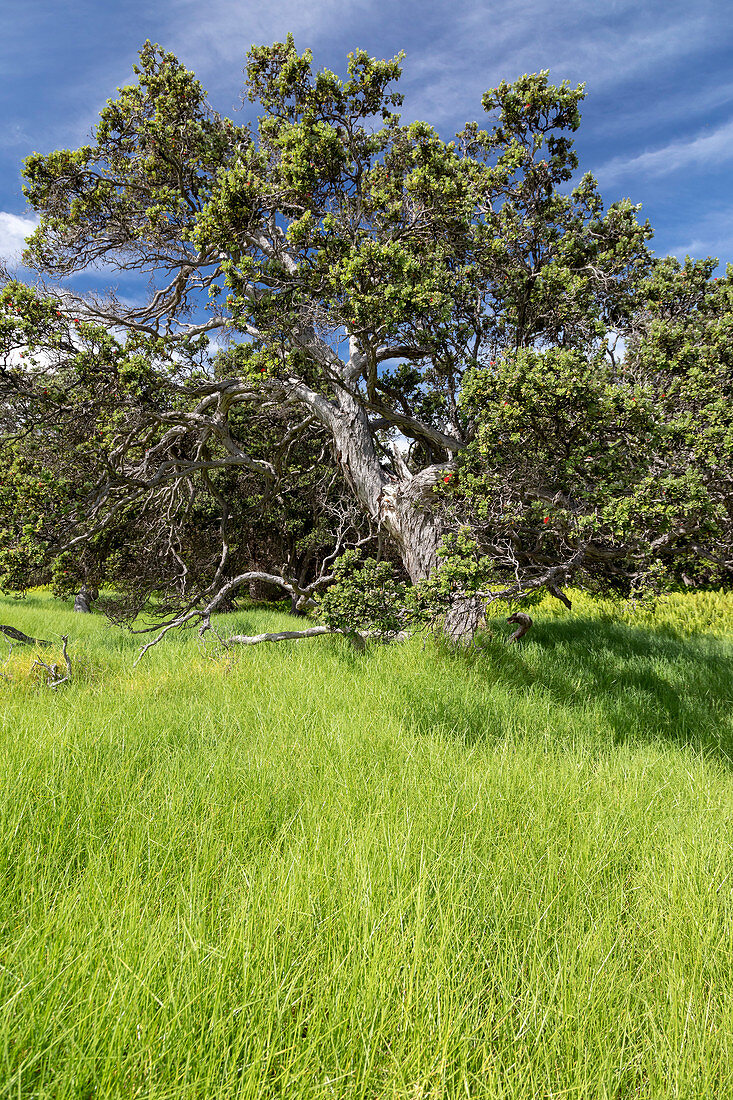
641 684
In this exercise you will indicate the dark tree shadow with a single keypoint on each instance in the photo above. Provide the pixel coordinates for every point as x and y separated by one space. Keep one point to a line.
641 683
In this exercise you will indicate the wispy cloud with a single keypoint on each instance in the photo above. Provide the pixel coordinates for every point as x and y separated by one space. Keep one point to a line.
606 45
13 232
706 148
710 235
679 104
232 26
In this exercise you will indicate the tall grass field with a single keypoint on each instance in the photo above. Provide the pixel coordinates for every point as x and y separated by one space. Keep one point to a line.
298 871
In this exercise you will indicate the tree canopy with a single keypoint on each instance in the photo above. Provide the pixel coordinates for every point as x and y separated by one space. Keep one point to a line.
452 349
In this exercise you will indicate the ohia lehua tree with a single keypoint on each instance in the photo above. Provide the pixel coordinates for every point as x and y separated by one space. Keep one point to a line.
514 393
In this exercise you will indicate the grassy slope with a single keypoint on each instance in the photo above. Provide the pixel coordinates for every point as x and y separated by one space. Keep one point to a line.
297 871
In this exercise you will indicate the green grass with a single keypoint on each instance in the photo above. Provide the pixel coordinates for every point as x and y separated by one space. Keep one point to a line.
297 871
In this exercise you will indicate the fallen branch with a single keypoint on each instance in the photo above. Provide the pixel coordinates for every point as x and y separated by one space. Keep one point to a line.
19 636
281 636
353 636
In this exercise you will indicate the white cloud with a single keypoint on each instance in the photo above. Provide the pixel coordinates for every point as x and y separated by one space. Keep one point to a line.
13 232
705 149
673 107
213 44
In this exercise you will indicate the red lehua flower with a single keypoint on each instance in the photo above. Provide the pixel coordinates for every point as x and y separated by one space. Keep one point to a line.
546 519
447 478
492 363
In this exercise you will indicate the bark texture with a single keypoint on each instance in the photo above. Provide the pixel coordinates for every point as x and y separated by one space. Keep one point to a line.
84 598
19 636
464 619
401 506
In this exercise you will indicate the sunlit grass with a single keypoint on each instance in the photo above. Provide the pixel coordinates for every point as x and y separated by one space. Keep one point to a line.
298 871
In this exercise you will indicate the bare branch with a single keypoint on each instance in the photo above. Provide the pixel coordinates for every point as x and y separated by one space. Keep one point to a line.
55 679
281 636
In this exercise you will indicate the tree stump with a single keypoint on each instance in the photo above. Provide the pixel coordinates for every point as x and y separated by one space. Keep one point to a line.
523 623
84 597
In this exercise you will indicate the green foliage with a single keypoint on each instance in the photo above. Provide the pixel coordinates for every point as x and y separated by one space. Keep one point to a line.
77 397
571 450
364 596
482 300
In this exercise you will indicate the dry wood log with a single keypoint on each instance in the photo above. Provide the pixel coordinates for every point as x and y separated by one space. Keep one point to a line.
19 636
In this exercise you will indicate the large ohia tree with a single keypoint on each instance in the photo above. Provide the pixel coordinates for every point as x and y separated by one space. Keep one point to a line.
445 313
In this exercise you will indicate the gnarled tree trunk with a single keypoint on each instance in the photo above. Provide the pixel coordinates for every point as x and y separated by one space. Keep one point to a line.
417 532
401 507
84 598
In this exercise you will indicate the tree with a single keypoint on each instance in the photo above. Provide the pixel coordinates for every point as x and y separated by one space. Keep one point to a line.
71 394
389 286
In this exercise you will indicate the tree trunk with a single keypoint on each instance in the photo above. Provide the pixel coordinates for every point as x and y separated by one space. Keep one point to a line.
418 535
264 591
399 506
83 600
405 515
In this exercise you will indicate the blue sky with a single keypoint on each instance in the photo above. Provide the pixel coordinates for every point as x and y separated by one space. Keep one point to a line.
657 120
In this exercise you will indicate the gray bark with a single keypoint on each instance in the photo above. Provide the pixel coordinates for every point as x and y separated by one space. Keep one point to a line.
84 598
399 505
19 636
464 619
